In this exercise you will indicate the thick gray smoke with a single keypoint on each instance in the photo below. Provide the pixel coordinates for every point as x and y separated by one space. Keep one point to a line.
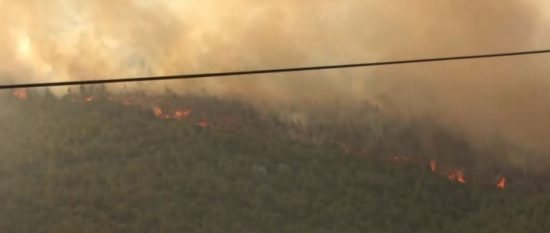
62 40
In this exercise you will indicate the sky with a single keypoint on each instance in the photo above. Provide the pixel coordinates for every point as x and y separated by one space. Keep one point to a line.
62 39
90 39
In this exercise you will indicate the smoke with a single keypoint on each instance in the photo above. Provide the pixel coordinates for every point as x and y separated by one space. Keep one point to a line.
68 40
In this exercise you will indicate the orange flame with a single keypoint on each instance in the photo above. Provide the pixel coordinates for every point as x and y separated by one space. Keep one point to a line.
20 94
157 111
203 124
457 176
89 99
460 178
501 184
180 114
433 165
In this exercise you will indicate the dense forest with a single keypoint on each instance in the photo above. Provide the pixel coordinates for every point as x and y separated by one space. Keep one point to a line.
95 161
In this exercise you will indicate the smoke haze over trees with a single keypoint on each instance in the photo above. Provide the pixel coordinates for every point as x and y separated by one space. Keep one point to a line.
59 40
96 161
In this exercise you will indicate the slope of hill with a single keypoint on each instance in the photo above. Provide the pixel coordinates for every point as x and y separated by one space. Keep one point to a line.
97 165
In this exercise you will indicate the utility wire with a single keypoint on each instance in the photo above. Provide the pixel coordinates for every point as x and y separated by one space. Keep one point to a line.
266 71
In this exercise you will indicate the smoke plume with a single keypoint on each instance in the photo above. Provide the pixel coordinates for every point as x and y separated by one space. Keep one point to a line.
70 40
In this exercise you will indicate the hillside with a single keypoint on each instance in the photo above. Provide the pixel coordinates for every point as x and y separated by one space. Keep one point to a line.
94 162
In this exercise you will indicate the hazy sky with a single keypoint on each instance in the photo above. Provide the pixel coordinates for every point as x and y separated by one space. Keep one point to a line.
88 39
54 40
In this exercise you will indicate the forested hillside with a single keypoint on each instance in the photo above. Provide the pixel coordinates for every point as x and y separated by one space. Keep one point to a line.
93 161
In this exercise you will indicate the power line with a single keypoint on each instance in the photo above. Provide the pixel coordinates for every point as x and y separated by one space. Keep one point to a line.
266 71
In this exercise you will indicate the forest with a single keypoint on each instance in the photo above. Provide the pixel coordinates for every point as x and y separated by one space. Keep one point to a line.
96 161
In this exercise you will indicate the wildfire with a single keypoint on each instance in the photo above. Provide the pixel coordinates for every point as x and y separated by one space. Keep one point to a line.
501 184
89 99
203 123
157 111
453 174
180 114
457 176
433 165
20 94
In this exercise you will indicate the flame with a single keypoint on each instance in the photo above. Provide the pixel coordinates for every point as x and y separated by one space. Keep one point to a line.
89 99
452 176
460 178
180 114
501 184
163 114
203 123
457 176
157 111
433 165
20 94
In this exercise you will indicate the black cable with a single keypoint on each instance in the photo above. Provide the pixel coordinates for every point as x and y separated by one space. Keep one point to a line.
252 72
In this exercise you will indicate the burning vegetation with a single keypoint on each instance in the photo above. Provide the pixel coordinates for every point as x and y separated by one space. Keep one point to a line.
501 184
457 176
174 114
433 165
130 154
179 113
